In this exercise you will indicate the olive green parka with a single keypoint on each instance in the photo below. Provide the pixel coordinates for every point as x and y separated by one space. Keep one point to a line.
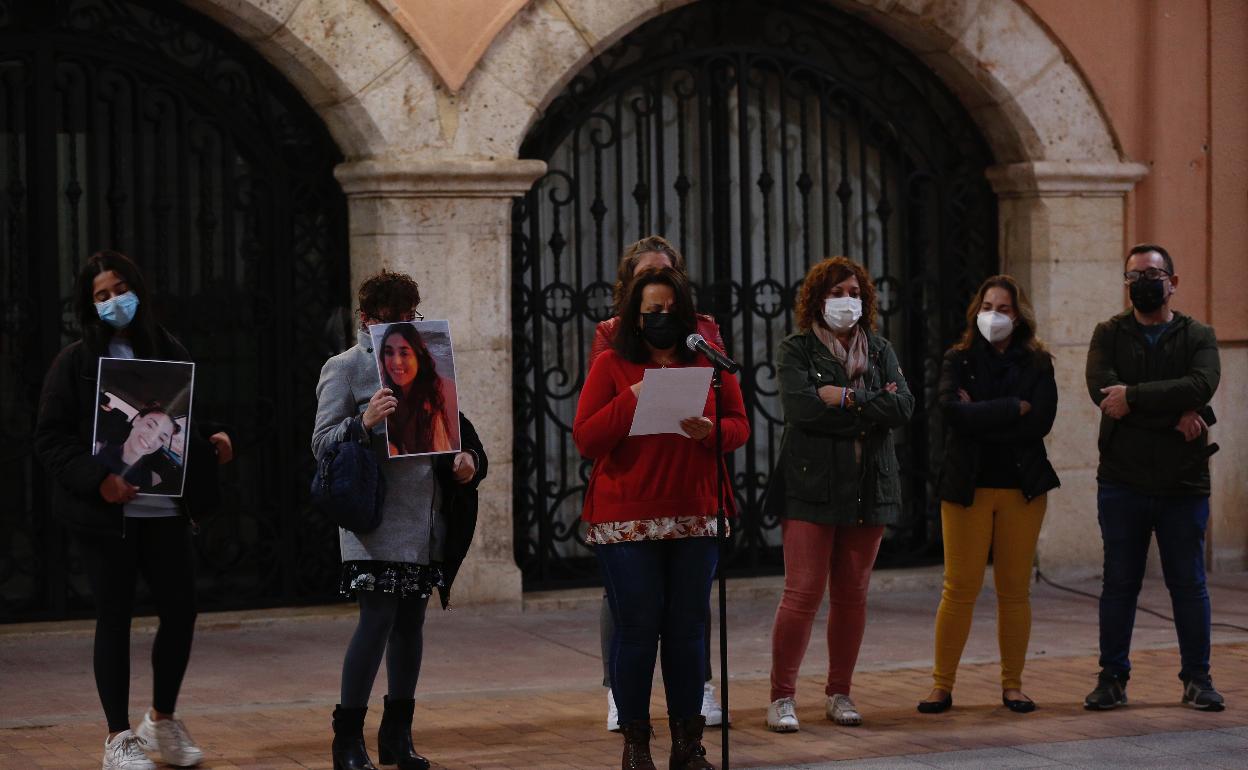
819 476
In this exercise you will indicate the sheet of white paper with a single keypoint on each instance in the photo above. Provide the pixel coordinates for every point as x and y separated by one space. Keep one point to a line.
669 396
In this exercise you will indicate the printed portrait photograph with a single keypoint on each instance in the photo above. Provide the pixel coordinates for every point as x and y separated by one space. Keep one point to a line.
416 362
141 421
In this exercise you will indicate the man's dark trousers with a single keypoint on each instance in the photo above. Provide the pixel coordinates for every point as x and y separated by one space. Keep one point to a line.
1128 519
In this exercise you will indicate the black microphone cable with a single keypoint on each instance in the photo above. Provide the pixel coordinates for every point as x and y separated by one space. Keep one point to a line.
1042 578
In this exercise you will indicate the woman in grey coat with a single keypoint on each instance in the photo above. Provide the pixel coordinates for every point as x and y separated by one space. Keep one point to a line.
394 569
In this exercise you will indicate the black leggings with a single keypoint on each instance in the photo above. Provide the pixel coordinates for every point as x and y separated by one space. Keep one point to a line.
159 549
390 626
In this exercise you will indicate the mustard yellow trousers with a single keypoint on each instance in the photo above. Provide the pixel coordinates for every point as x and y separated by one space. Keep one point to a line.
1004 522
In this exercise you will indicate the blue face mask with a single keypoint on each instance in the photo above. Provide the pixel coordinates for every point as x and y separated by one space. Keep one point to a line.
119 311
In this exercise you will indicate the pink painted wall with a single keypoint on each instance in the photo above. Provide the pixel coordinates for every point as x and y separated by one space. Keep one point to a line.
1172 76
1229 172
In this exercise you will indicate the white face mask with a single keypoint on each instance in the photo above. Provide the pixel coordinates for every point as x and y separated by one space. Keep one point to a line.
841 313
994 326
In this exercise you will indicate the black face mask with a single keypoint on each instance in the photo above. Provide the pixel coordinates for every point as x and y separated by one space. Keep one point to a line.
661 330
1148 296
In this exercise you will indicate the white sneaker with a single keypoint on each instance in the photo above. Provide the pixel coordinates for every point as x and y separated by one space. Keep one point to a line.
710 707
841 709
125 752
613 714
170 739
782 716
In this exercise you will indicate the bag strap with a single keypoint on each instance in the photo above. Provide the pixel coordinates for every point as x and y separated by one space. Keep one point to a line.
355 431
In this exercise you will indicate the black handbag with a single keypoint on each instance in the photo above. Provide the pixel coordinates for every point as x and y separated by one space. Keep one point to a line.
349 487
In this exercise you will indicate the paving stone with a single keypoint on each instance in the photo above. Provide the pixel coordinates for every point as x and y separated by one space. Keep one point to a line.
1195 742
985 759
884 763
1100 752
1229 760
521 691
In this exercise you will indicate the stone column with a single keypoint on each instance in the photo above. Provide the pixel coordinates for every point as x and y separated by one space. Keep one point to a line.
447 223
1061 234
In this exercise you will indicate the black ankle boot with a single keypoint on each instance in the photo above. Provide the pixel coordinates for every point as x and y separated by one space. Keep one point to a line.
687 750
637 745
350 753
394 737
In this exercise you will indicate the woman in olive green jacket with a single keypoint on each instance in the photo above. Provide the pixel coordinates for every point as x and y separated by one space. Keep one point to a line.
836 483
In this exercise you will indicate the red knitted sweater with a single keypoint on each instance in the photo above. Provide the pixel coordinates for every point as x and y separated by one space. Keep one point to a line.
647 477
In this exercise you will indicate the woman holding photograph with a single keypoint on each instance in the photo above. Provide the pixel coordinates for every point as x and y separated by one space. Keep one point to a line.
418 424
651 512
151 430
119 535
426 526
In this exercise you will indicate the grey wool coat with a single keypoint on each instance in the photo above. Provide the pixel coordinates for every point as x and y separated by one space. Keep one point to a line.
413 529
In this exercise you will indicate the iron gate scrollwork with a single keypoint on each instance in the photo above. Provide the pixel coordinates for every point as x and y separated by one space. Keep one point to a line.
141 126
759 136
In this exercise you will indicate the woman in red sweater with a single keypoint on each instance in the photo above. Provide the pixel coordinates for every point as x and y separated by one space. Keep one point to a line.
653 251
650 508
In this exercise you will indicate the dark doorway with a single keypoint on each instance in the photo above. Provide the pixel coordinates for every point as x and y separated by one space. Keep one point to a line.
141 126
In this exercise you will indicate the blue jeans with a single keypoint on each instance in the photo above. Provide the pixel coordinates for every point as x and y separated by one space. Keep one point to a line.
1128 520
658 588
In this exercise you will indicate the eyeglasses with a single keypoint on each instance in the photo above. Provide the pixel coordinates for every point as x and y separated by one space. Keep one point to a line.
1151 274
414 315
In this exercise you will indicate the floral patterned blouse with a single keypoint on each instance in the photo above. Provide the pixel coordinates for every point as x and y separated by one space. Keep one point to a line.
662 528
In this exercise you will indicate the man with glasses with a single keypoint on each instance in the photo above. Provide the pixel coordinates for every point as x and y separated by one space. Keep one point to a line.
1153 371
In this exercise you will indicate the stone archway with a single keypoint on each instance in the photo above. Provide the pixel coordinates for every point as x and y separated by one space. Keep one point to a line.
298 38
431 176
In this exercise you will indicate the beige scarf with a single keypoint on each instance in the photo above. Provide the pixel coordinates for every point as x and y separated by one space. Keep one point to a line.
854 359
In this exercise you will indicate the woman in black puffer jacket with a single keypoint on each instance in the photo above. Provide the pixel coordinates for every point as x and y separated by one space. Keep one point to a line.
120 535
998 398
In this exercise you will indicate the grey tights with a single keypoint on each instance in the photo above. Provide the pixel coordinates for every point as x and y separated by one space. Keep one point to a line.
390 626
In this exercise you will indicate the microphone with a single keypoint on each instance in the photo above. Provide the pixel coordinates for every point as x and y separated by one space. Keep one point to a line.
698 343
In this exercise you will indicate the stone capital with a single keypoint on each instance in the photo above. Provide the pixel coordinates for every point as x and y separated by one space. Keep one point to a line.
438 178
1065 178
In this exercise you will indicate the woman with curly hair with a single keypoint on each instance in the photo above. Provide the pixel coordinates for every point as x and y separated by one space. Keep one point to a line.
998 395
418 424
836 482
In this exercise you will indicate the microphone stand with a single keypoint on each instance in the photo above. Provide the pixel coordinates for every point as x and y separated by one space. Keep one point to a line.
721 536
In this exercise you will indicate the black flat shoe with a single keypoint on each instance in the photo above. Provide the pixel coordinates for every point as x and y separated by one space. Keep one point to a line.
1019 706
936 706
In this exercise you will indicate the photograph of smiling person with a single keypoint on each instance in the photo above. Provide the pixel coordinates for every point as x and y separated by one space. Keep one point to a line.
417 364
140 424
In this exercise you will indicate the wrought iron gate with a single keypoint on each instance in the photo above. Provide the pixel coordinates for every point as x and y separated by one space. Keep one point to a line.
759 136
141 126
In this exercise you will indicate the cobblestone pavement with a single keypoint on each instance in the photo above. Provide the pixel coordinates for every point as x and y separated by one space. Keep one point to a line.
1226 748
521 690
